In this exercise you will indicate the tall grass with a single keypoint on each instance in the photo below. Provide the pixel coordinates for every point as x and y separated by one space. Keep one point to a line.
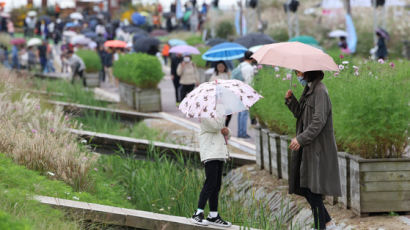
172 186
369 106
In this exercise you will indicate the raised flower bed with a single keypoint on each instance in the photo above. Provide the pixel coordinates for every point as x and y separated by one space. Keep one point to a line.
139 75
370 113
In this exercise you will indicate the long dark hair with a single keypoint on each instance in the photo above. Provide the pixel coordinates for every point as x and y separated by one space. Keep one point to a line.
311 76
216 67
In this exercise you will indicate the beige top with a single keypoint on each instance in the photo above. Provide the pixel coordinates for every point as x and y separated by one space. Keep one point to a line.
189 74
221 76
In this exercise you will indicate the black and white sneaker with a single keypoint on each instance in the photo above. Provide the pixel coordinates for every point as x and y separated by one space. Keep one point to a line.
218 221
199 219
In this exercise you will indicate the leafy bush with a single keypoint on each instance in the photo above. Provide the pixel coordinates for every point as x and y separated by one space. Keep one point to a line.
194 40
225 29
141 70
370 111
91 60
7 222
279 34
197 59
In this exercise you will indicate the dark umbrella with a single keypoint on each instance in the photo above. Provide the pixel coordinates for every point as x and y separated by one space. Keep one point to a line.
133 29
146 45
383 33
158 33
215 41
254 39
135 37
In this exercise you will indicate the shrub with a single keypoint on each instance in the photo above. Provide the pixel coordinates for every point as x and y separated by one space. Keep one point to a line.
197 59
194 40
141 70
225 29
370 111
91 60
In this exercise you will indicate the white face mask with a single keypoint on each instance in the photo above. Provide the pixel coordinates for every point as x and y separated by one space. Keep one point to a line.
187 59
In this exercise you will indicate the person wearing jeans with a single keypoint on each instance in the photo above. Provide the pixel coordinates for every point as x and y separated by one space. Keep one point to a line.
213 153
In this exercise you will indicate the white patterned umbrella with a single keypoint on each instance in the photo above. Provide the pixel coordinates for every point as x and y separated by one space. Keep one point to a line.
233 95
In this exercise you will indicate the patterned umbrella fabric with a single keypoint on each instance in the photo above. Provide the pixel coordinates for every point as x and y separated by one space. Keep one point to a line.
18 41
224 51
295 55
115 44
184 49
233 96
176 42
254 39
215 41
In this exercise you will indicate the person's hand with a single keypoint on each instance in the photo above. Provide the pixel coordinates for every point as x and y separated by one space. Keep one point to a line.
288 94
294 144
225 131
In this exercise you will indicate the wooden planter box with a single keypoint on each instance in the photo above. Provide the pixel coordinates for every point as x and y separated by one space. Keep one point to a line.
148 100
92 79
368 185
142 100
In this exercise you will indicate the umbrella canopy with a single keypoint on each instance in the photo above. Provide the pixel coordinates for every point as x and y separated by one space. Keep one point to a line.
135 37
91 35
231 95
72 25
184 49
305 39
18 41
44 18
187 15
158 33
138 19
133 29
176 42
224 51
215 41
80 40
338 33
383 33
69 33
295 55
76 16
254 39
32 13
115 44
34 42
146 44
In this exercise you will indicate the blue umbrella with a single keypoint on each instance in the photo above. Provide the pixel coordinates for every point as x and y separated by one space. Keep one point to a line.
176 42
71 25
224 51
138 19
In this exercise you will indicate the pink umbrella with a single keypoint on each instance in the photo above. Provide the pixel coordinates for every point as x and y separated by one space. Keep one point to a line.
184 49
18 41
295 55
232 95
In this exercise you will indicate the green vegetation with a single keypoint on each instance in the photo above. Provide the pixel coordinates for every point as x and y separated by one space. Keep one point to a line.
91 60
69 92
225 29
197 59
370 110
194 40
141 70
106 123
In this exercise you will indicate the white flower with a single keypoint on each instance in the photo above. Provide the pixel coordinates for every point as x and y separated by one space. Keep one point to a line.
355 67
288 76
51 174
83 141
276 69
172 198
67 193
356 73
169 208
161 209
345 62
76 198
341 67
153 205
277 75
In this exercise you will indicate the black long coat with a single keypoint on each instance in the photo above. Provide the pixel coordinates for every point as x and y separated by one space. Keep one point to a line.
315 164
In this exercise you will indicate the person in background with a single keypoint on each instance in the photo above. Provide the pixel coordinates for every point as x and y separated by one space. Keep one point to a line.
165 53
343 44
42 54
381 52
15 53
214 153
175 60
189 75
4 56
31 25
77 66
108 61
221 72
315 169
247 71
101 53
44 29
31 62
10 27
